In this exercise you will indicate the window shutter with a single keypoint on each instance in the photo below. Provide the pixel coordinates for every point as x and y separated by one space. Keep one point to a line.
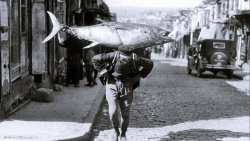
4 45
38 34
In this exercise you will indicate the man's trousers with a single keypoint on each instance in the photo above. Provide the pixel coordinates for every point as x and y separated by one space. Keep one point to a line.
119 93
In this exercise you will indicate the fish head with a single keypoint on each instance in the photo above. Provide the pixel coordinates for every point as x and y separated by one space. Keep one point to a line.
163 35
159 35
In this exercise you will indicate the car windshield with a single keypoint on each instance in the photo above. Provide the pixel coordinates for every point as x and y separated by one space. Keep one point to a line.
219 45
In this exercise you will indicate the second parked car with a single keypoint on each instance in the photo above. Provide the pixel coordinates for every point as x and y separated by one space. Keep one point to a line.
213 55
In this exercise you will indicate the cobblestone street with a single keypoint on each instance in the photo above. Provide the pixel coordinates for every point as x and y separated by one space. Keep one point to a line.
171 105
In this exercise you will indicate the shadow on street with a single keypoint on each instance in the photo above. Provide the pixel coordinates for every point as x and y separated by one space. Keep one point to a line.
169 96
202 134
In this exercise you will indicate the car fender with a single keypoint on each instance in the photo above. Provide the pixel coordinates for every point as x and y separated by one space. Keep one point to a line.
191 62
199 64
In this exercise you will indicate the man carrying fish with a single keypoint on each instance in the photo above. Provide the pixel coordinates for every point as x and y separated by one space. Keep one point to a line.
128 68
125 70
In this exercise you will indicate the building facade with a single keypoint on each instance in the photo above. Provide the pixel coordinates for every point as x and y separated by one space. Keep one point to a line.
221 19
26 63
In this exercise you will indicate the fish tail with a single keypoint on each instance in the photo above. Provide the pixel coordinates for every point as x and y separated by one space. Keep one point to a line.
56 27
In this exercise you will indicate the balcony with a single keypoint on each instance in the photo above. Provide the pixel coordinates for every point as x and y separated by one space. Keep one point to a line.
240 7
239 12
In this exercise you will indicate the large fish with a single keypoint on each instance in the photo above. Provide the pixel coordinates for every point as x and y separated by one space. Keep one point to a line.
113 34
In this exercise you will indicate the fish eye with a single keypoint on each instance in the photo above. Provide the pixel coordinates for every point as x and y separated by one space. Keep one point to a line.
163 34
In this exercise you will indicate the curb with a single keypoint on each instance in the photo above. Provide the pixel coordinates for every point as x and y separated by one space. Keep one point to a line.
246 77
91 116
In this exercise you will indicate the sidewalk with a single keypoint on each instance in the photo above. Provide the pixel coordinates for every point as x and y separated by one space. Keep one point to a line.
237 73
69 117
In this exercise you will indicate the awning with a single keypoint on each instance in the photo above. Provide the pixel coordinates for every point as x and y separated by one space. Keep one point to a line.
207 33
186 32
215 31
219 21
226 21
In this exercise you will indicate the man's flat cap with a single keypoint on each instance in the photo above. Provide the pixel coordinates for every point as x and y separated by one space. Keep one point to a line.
126 49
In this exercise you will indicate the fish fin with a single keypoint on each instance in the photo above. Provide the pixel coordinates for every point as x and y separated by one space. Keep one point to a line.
125 26
91 45
100 20
56 27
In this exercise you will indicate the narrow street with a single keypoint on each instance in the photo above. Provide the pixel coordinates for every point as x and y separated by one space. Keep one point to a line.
171 105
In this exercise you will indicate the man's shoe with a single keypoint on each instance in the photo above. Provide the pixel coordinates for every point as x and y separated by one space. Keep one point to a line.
115 137
89 84
94 83
123 139
76 85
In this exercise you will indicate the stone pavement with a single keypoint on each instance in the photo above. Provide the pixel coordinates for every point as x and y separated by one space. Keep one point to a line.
230 129
155 117
239 74
68 117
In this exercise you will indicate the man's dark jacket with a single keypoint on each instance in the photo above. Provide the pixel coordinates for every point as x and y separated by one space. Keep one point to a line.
143 65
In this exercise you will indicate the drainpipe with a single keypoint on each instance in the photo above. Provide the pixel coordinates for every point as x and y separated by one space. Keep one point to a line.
191 37
247 48
79 8
238 49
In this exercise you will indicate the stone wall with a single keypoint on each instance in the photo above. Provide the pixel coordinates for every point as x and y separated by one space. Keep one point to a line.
20 91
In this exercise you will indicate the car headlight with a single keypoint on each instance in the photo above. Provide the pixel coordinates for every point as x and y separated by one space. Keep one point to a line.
204 60
219 64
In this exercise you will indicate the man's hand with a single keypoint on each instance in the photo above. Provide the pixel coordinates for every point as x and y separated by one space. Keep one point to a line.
61 40
104 73
134 80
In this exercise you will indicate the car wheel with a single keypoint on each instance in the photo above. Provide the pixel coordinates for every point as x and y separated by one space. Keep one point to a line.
199 72
230 74
189 71
215 73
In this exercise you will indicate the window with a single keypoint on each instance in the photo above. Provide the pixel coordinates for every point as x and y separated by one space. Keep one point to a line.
23 13
231 32
219 11
23 19
218 45
19 39
15 48
207 13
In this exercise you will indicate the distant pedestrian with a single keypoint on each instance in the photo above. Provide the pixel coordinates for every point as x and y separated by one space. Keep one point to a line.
126 70
175 52
192 52
88 55
74 56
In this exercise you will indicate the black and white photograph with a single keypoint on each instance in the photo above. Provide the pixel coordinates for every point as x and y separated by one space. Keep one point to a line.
124 70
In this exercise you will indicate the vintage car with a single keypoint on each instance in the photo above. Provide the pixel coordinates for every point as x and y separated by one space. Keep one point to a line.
213 55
